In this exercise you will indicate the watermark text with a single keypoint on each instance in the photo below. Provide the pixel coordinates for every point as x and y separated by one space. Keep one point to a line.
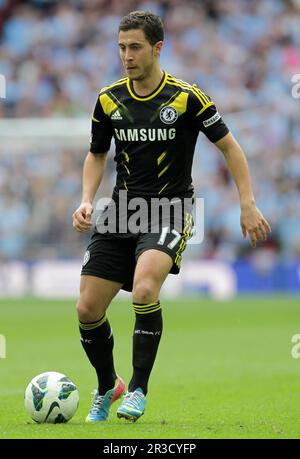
296 87
2 86
161 216
2 347
296 348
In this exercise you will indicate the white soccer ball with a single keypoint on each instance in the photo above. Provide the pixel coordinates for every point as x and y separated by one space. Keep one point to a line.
51 397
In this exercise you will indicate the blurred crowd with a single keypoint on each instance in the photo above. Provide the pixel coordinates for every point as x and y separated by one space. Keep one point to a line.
56 56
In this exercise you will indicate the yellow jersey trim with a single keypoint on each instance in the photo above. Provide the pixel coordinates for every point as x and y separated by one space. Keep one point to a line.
163 188
117 83
161 157
204 108
108 104
144 99
194 89
95 119
164 169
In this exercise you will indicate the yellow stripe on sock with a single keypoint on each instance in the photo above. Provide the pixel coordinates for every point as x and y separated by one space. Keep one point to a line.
92 325
148 312
146 308
142 307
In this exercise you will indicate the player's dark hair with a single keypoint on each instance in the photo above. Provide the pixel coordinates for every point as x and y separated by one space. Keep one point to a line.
150 23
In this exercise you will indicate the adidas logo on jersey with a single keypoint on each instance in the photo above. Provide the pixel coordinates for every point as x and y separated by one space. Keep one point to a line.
116 115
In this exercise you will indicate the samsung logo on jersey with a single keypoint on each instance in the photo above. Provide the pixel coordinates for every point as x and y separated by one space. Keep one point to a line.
145 135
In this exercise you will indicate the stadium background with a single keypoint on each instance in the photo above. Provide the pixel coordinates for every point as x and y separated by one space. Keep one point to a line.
236 373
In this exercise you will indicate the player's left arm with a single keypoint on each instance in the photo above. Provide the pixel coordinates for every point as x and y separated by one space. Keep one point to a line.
252 221
208 120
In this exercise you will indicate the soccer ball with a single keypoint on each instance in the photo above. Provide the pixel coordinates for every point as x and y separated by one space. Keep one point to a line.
51 397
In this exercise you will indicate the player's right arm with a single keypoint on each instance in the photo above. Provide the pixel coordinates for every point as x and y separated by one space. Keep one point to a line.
94 167
93 171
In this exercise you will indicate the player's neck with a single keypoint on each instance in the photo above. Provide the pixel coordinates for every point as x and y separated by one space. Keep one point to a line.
149 84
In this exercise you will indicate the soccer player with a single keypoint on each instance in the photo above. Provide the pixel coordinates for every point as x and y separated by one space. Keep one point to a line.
155 119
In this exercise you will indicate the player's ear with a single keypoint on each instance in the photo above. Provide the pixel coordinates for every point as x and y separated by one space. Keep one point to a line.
158 47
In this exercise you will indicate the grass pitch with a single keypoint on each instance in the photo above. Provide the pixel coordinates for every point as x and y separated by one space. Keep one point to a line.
224 370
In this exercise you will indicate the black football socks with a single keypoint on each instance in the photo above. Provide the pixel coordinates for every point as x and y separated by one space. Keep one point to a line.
98 342
146 337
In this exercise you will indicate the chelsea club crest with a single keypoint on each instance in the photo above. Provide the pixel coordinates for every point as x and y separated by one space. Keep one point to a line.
168 115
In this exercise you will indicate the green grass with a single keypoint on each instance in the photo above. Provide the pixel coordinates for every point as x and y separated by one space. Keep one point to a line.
224 370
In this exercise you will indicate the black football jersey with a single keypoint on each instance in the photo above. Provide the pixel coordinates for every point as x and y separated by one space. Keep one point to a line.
155 136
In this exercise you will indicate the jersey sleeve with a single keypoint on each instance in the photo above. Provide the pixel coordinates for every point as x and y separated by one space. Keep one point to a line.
102 130
206 117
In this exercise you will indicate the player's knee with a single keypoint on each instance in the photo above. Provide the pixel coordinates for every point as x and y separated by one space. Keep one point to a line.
88 311
144 292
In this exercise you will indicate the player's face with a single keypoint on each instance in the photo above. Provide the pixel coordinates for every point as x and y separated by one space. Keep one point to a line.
137 54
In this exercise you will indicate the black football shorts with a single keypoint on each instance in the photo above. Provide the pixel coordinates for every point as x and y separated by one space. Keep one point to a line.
113 256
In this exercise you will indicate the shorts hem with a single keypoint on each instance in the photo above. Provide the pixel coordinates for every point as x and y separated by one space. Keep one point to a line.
102 276
165 250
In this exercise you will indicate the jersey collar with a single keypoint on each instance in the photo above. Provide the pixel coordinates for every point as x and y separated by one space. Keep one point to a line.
150 96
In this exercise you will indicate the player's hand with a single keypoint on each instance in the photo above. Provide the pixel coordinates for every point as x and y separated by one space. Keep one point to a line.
82 217
254 224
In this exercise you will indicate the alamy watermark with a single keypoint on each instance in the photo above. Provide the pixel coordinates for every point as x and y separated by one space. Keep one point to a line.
179 216
2 87
2 347
296 87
